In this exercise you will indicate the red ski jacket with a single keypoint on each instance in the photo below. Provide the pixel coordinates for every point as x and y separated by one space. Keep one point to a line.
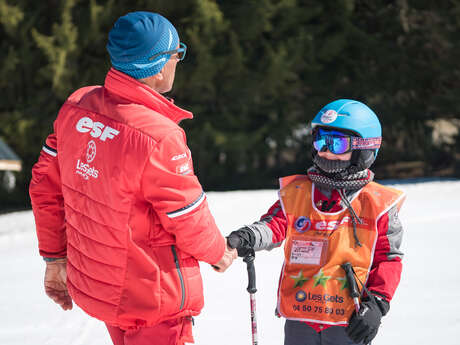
114 191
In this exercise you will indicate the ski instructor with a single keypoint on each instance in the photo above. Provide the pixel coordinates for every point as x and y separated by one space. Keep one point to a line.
121 218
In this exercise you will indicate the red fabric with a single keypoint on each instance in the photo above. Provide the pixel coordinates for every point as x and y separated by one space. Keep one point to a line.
385 274
277 222
171 332
48 203
320 198
123 176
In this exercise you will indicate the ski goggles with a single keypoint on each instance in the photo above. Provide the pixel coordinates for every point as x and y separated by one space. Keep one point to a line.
339 143
179 51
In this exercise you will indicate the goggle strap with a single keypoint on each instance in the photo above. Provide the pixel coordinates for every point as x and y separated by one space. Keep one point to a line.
365 143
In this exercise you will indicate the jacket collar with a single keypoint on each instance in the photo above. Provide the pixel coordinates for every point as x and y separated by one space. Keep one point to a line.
133 90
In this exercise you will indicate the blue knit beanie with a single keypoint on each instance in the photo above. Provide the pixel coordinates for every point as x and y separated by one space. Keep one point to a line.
138 36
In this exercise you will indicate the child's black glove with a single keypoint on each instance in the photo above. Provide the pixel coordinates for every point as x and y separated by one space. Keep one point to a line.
243 240
363 326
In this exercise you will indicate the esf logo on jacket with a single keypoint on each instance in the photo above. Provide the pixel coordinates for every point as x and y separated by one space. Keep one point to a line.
98 129
303 224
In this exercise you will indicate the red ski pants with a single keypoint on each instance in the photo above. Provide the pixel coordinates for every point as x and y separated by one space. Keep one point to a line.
171 332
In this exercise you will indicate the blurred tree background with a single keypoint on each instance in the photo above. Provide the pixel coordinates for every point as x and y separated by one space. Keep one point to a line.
256 73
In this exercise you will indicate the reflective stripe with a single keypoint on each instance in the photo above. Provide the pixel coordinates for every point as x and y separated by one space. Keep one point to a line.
49 150
188 208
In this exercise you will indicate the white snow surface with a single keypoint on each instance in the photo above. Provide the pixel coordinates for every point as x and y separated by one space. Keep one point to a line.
425 309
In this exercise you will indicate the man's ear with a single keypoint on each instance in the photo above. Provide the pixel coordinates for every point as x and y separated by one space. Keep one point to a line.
159 76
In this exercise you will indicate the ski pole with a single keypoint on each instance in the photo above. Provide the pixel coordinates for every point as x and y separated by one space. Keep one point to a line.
354 292
249 259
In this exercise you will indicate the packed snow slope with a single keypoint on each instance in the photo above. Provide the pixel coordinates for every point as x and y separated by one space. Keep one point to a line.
425 310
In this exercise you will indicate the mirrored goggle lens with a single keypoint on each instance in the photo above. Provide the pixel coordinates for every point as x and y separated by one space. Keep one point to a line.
319 143
335 143
339 145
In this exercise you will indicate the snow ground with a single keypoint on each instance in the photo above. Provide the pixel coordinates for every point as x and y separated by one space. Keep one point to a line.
424 311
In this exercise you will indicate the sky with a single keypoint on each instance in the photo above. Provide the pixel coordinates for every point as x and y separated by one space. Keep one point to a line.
424 311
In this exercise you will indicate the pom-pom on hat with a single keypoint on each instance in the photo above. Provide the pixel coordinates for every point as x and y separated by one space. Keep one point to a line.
138 36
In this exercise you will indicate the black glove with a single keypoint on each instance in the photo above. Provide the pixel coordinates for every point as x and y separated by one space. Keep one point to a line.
363 326
243 240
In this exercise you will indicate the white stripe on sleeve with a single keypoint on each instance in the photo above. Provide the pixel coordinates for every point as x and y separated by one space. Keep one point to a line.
188 208
49 151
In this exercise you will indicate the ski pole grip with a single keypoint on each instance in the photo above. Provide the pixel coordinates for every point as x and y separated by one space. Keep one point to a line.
354 292
249 259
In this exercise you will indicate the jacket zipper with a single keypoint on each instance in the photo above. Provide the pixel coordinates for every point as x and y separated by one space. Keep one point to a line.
181 278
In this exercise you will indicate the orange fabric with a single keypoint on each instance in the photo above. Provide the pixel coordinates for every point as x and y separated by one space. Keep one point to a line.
124 176
313 288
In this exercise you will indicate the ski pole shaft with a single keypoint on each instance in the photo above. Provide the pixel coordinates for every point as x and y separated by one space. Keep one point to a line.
249 259
356 302
252 298
354 292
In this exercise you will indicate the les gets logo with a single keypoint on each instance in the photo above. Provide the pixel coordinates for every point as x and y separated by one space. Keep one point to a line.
84 169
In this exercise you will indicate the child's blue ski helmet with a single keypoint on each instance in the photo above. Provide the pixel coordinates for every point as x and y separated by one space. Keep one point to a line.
351 116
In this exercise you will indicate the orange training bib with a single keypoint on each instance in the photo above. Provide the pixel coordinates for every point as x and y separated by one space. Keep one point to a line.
313 286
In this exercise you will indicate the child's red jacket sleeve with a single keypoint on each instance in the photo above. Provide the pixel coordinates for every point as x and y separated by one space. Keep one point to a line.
276 221
386 268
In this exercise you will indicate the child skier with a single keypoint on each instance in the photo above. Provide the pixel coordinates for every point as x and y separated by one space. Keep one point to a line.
330 217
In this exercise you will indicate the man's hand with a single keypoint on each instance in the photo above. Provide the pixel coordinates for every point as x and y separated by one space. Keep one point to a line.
55 283
230 254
